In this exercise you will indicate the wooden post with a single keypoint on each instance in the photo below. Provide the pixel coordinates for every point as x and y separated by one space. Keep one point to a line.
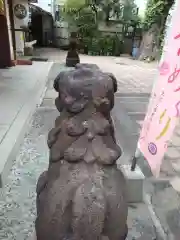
5 56
11 18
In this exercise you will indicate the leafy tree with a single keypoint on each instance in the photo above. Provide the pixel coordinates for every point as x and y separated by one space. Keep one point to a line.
86 22
157 12
120 9
72 6
83 16
110 8
155 19
130 11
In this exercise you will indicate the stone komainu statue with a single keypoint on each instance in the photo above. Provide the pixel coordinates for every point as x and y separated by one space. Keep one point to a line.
72 57
82 195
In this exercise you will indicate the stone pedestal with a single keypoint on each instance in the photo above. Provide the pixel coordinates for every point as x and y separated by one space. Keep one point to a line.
135 180
72 56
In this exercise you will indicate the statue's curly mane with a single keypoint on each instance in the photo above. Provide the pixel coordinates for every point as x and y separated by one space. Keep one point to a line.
84 138
88 124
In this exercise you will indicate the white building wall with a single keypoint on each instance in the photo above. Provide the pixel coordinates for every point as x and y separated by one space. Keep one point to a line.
47 5
61 29
60 2
61 32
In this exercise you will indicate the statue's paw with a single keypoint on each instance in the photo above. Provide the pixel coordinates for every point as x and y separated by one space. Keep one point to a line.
105 154
77 150
41 182
52 136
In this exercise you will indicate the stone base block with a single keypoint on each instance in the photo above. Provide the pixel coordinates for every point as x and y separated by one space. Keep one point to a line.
28 51
71 62
135 180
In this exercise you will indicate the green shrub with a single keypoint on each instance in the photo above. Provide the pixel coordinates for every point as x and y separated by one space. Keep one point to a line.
104 45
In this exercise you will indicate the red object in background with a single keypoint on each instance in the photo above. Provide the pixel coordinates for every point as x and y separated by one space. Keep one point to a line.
5 54
21 62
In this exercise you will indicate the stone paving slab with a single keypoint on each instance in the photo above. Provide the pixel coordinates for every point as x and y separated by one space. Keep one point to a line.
133 76
165 202
21 89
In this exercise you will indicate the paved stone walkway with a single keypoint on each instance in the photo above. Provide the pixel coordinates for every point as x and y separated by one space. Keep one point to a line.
133 76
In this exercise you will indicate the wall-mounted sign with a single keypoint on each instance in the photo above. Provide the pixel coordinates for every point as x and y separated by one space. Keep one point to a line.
2 9
20 11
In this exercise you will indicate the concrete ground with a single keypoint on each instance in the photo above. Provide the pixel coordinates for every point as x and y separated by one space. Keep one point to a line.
21 88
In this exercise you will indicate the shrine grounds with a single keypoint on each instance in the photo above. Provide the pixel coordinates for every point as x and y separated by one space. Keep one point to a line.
34 113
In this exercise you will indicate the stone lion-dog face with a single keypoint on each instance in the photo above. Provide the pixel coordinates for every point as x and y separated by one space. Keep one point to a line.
75 87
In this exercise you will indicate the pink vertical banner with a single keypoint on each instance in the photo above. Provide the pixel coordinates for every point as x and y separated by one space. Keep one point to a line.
164 106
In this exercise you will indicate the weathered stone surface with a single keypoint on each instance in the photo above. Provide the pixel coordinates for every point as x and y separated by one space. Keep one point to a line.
175 182
166 205
135 180
83 194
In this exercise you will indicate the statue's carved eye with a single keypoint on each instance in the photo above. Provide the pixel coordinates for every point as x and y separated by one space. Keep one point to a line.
69 100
